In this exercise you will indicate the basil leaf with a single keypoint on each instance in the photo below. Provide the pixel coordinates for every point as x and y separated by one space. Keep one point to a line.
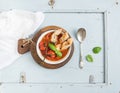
52 47
89 58
96 50
58 53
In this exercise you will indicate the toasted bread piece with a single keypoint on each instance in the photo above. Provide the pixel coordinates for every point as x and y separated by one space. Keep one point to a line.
54 36
58 46
64 37
66 44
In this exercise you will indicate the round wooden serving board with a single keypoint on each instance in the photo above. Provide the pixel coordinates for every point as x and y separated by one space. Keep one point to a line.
34 52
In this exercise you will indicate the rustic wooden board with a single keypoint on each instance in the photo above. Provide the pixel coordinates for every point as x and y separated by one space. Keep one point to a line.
34 52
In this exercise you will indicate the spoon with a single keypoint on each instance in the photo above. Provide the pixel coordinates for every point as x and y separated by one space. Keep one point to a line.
81 34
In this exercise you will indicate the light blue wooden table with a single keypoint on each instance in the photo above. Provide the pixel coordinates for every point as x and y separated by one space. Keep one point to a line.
101 20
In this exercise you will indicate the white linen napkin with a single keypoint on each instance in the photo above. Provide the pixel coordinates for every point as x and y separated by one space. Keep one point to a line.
16 24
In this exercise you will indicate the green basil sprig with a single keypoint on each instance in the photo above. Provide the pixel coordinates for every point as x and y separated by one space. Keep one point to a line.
52 47
89 58
96 50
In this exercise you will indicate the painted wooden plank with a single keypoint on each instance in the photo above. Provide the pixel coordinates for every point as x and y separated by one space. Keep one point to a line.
37 74
38 5
93 22
113 48
38 88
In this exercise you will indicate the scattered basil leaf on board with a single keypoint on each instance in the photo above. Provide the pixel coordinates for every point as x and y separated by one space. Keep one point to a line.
96 50
89 58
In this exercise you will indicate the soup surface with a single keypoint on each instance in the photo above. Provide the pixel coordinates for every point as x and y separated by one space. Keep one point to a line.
49 53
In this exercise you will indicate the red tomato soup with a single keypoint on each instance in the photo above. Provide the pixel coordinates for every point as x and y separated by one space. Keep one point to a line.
47 52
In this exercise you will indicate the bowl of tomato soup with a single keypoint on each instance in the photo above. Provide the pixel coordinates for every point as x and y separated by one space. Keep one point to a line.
53 47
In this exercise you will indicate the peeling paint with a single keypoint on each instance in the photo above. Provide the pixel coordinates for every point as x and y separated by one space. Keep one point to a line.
22 77
61 87
97 8
110 83
117 3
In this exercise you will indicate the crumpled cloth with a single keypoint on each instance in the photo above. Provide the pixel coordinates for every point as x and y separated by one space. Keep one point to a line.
16 24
